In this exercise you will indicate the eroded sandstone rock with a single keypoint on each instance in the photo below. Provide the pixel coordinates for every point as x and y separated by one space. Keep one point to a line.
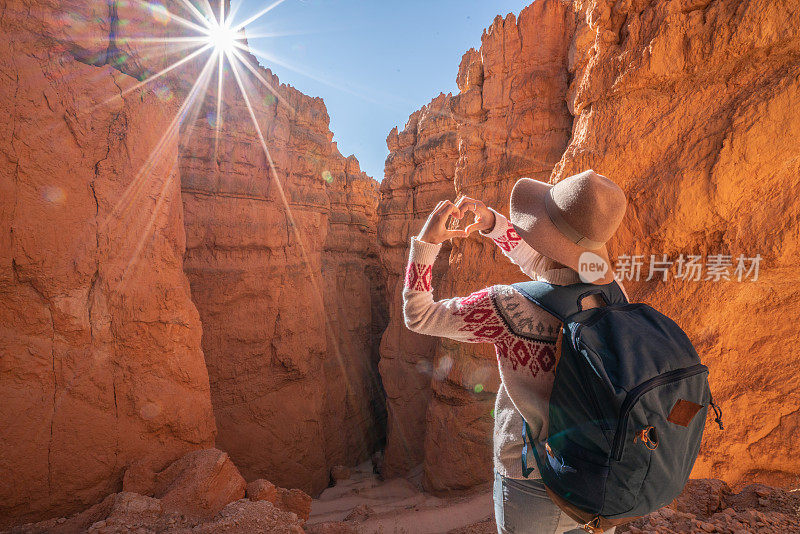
122 513
295 501
199 484
284 271
289 500
418 175
99 339
692 108
245 516
200 492
102 369
262 490
709 505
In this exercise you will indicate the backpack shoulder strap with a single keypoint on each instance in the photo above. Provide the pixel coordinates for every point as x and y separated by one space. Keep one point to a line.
563 301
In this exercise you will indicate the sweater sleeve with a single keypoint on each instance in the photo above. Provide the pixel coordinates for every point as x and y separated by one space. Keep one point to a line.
467 318
514 247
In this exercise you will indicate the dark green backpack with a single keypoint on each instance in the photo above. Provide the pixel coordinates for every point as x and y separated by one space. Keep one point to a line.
627 410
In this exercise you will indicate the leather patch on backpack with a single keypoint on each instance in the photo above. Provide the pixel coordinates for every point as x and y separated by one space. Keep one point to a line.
683 412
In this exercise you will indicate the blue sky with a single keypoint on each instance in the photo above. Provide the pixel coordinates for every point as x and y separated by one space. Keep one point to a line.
374 62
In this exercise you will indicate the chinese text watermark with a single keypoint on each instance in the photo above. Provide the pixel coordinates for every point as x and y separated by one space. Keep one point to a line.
689 267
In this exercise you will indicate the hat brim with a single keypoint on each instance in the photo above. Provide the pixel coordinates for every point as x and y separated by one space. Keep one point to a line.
528 216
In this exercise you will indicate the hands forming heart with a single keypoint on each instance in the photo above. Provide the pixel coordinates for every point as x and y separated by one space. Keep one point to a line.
436 229
484 217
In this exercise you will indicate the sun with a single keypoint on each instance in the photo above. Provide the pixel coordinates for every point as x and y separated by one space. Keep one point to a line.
223 38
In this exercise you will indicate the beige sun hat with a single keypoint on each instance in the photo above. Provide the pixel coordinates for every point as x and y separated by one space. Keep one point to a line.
571 221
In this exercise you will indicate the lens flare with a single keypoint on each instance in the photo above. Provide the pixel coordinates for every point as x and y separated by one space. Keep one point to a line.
163 92
54 195
159 13
211 117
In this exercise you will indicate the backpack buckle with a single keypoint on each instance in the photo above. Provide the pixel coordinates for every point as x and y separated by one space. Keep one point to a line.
592 526
648 436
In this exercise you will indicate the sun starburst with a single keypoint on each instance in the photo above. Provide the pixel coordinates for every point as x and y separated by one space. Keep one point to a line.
214 34
205 33
215 37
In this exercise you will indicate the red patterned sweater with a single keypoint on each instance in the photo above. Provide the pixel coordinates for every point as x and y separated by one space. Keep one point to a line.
523 334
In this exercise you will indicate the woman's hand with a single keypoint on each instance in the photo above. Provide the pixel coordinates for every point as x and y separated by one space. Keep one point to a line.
484 217
435 230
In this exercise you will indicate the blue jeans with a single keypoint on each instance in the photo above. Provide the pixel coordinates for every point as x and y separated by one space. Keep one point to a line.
523 507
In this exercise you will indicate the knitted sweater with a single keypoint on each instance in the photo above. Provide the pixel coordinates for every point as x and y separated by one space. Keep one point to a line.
524 335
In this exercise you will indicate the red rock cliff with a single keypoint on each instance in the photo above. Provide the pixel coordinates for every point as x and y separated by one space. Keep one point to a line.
417 177
289 294
100 359
283 269
106 207
692 108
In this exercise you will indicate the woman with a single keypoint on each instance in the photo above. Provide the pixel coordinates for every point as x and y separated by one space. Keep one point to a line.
552 230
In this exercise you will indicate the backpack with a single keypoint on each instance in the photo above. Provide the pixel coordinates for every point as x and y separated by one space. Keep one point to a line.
627 409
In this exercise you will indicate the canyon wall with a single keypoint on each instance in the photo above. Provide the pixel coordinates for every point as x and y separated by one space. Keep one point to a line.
121 217
282 262
117 227
692 108
284 271
100 359
417 176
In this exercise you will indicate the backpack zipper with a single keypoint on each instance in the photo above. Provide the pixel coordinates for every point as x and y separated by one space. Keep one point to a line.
598 413
641 389
576 342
